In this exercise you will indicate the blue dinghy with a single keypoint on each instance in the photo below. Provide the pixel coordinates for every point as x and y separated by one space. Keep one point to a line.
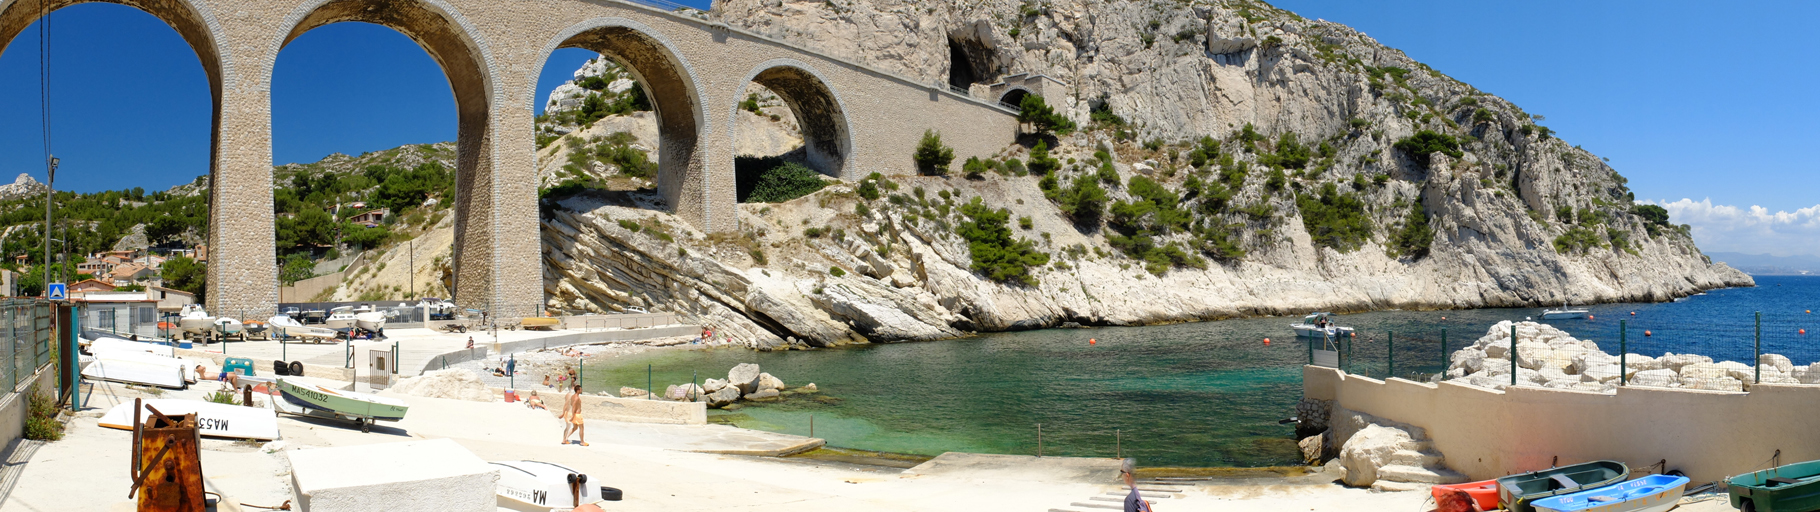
1653 493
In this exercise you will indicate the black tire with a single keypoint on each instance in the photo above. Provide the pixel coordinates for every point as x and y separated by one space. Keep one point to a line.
611 494
1748 506
365 428
296 368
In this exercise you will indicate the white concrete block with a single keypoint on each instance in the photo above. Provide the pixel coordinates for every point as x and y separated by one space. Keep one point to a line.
433 475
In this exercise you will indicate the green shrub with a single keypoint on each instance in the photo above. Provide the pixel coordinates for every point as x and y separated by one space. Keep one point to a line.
1620 240
1156 213
814 232
758 256
1217 241
1025 222
1289 154
932 157
630 225
1234 173
1564 214
41 419
750 104
1427 142
1576 240
1334 219
868 188
785 182
1359 123
1204 152
836 272
1040 161
995 253
1043 120
1483 116
1083 200
1275 180
975 169
1654 218
222 396
1415 237
1016 167
1107 174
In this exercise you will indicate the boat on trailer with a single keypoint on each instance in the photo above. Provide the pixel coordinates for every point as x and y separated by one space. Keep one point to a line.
361 408
1791 487
1653 493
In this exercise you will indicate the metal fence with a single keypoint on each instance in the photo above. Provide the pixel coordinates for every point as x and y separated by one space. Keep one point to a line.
28 344
1723 353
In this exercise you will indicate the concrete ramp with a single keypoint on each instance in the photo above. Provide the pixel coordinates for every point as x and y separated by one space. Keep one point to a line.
1019 467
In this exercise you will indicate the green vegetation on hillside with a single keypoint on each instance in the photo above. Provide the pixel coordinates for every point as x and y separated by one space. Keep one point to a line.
1414 237
1426 143
1042 119
1334 219
932 157
785 182
996 254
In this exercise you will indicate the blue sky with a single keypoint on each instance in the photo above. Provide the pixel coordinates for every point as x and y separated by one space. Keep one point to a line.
1703 107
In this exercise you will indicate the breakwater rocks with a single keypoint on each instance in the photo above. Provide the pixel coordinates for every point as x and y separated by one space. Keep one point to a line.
1548 357
744 382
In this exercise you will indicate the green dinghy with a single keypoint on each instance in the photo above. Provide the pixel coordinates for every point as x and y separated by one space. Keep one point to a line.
1517 492
1791 488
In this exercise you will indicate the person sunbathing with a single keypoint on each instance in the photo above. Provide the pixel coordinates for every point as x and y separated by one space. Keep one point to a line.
534 401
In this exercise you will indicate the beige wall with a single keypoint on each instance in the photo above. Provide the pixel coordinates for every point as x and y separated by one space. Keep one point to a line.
1709 435
13 408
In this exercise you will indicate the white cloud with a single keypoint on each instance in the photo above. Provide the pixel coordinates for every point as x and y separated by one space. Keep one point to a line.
1753 230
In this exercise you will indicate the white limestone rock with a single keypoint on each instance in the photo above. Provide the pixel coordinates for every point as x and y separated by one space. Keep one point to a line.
712 385
1675 361
1779 361
1369 449
1533 355
1716 384
1662 378
1640 362
745 377
766 381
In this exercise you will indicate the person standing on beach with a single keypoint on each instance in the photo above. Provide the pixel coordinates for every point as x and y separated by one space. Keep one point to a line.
1134 502
571 417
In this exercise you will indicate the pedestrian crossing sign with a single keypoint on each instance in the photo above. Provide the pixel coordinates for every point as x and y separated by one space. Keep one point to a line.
57 291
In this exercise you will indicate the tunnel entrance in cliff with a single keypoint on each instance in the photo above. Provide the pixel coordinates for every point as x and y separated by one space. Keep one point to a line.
969 60
789 133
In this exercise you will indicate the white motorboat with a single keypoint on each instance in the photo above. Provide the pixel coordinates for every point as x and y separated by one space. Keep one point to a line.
340 318
312 316
529 485
195 320
438 309
101 345
371 321
228 326
138 368
212 419
1565 312
1319 325
287 327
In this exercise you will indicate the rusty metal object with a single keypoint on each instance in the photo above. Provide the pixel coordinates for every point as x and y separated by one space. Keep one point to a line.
168 463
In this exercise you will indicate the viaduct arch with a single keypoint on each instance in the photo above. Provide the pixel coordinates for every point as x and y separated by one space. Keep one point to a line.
856 120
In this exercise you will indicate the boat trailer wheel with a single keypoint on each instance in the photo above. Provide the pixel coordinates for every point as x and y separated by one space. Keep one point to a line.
365 428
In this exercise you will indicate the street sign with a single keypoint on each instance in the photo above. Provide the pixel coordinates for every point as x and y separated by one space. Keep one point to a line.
58 292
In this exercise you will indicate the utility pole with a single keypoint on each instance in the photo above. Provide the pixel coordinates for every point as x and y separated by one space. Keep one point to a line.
411 274
50 191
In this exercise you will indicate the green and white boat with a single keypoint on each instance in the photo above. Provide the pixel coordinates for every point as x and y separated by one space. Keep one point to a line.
361 408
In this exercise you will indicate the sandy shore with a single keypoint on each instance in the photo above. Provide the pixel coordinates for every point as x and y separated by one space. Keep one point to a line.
660 467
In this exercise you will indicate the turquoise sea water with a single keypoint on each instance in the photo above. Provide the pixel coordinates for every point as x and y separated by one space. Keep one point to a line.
1202 394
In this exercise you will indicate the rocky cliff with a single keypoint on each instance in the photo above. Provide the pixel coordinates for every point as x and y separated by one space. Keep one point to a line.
1252 163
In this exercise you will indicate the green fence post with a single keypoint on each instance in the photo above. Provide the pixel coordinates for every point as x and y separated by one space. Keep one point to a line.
1445 357
647 382
1513 354
1623 354
1390 355
1310 344
1757 362
581 372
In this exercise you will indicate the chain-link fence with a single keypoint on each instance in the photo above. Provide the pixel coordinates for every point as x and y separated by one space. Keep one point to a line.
1721 353
28 343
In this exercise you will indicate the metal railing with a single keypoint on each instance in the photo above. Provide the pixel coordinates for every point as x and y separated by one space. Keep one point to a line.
28 345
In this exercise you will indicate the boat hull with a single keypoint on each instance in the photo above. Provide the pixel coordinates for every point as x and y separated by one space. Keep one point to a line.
527 485
101 345
1484 493
1798 488
212 419
1564 315
1653 493
1518 493
197 325
1309 331
137 368
342 402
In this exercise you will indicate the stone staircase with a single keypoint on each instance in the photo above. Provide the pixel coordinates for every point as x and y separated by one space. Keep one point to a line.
1415 464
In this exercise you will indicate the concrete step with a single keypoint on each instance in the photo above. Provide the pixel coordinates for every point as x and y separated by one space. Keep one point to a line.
1414 458
1145 494
1420 475
1102 506
1419 445
1389 486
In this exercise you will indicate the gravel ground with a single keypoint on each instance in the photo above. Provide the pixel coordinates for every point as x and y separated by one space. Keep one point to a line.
533 364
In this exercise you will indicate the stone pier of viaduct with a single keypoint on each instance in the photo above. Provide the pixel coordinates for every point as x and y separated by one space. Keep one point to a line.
855 120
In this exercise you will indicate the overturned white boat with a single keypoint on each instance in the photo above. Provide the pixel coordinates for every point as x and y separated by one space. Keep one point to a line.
287 327
529 485
372 321
212 419
138 368
340 318
100 345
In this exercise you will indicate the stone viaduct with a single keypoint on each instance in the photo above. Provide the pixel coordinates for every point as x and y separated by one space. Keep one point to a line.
855 120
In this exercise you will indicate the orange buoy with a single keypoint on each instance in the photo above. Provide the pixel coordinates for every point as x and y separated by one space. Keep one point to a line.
1647 333
1091 341
1633 313
1266 342
1354 334
1589 317
1804 331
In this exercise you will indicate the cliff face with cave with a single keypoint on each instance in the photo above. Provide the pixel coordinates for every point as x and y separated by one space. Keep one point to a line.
1309 202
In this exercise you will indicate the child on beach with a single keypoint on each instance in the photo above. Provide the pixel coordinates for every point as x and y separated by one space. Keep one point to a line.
546 381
